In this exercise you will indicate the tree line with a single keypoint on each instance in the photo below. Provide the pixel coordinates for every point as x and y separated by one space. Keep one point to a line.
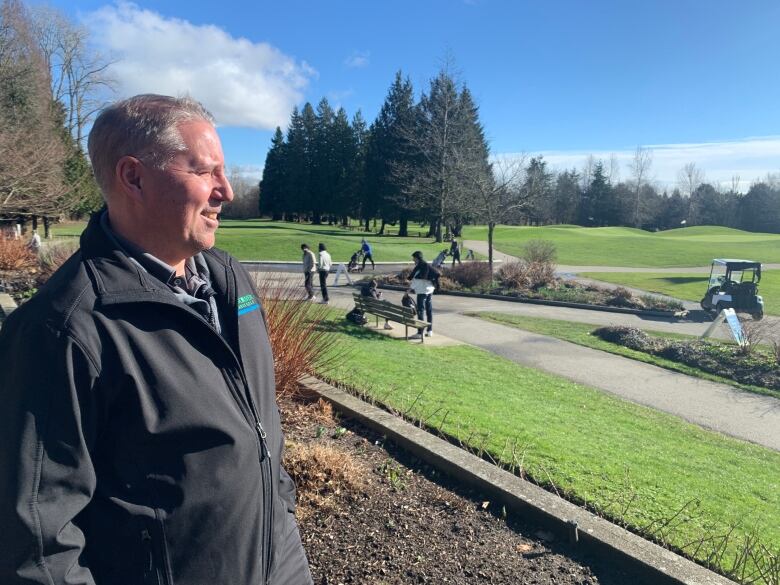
427 160
49 83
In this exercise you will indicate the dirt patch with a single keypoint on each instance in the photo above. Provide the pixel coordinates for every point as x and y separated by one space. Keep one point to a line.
387 518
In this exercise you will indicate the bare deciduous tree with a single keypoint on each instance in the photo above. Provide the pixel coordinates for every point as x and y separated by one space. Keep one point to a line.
497 196
32 153
689 178
79 74
640 171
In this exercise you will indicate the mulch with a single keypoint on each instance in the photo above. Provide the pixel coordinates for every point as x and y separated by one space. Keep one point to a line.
408 523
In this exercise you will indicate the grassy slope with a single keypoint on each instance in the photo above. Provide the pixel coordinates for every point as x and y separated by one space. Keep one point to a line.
267 240
689 287
592 446
616 246
580 333
613 246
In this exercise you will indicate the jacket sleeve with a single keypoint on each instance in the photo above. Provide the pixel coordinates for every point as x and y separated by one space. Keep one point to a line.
46 473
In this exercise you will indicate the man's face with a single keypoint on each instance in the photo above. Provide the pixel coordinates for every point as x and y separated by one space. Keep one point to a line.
182 202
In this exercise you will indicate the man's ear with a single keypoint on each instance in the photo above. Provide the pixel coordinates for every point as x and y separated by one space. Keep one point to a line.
130 176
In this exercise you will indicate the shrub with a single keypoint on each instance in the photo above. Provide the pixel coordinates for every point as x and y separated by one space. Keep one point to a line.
16 255
540 251
540 274
527 275
513 275
300 345
622 297
320 473
53 256
470 275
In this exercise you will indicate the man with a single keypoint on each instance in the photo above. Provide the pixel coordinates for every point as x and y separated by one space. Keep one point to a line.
455 252
424 279
325 263
35 242
309 268
365 247
139 435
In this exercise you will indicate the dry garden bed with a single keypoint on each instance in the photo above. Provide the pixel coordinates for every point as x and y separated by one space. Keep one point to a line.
370 513
750 364
533 277
529 281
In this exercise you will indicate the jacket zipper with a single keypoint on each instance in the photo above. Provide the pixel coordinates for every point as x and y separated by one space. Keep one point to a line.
265 470
150 574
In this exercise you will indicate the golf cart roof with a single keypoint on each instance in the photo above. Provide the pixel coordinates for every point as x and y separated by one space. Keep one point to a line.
736 264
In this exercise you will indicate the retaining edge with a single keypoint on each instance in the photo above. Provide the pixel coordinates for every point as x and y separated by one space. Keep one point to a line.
556 514
602 308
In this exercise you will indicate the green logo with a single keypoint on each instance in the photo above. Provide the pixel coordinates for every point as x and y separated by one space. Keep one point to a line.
246 304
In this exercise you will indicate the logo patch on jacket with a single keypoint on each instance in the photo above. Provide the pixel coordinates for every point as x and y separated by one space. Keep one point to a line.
247 304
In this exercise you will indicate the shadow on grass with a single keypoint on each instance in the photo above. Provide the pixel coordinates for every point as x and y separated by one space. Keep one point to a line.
684 279
344 327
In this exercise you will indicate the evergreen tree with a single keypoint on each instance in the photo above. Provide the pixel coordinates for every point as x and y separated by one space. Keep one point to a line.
274 182
296 167
388 158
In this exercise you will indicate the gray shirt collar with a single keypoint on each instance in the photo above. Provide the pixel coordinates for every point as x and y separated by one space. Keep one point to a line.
196 274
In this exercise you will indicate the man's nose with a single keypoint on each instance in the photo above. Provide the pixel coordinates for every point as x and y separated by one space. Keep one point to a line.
224 189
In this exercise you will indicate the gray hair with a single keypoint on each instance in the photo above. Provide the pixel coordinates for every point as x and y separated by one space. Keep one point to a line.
143 126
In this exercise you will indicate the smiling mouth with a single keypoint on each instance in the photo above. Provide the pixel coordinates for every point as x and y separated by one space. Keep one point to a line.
212 215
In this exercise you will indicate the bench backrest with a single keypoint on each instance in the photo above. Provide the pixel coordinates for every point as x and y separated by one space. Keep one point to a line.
384 308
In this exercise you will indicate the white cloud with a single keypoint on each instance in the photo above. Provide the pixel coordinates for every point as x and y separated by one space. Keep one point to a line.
751 159
242 83
358 59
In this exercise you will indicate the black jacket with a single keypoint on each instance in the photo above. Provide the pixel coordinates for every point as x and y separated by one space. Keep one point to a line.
137 445
425 271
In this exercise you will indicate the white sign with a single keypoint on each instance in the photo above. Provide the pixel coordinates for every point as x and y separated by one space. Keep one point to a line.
730 316
735 326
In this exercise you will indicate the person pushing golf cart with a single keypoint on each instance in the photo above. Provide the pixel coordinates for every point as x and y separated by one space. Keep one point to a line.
733 284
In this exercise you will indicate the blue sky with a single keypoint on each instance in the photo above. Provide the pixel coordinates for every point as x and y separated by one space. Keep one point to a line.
698 81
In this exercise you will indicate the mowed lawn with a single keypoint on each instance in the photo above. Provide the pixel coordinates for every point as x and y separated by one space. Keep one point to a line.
625 460
257 239
620 246
689 287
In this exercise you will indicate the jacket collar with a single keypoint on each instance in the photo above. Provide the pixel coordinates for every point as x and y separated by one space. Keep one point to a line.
119 279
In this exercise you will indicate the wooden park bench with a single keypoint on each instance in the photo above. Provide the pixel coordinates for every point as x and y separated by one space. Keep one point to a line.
407 316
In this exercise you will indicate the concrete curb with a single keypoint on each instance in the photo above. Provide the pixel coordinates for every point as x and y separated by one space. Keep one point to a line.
7 305
603 309
565 519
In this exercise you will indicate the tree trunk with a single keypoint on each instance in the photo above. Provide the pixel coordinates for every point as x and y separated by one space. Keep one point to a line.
382 228
403 227
35 222
46 228
368 224
491 227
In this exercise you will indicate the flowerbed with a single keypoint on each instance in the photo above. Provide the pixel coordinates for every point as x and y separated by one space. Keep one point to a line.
538 282
757 367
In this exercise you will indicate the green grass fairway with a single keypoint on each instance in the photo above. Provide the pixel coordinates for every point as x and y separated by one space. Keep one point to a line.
689 287
256 239
580 333
620 458
619 246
